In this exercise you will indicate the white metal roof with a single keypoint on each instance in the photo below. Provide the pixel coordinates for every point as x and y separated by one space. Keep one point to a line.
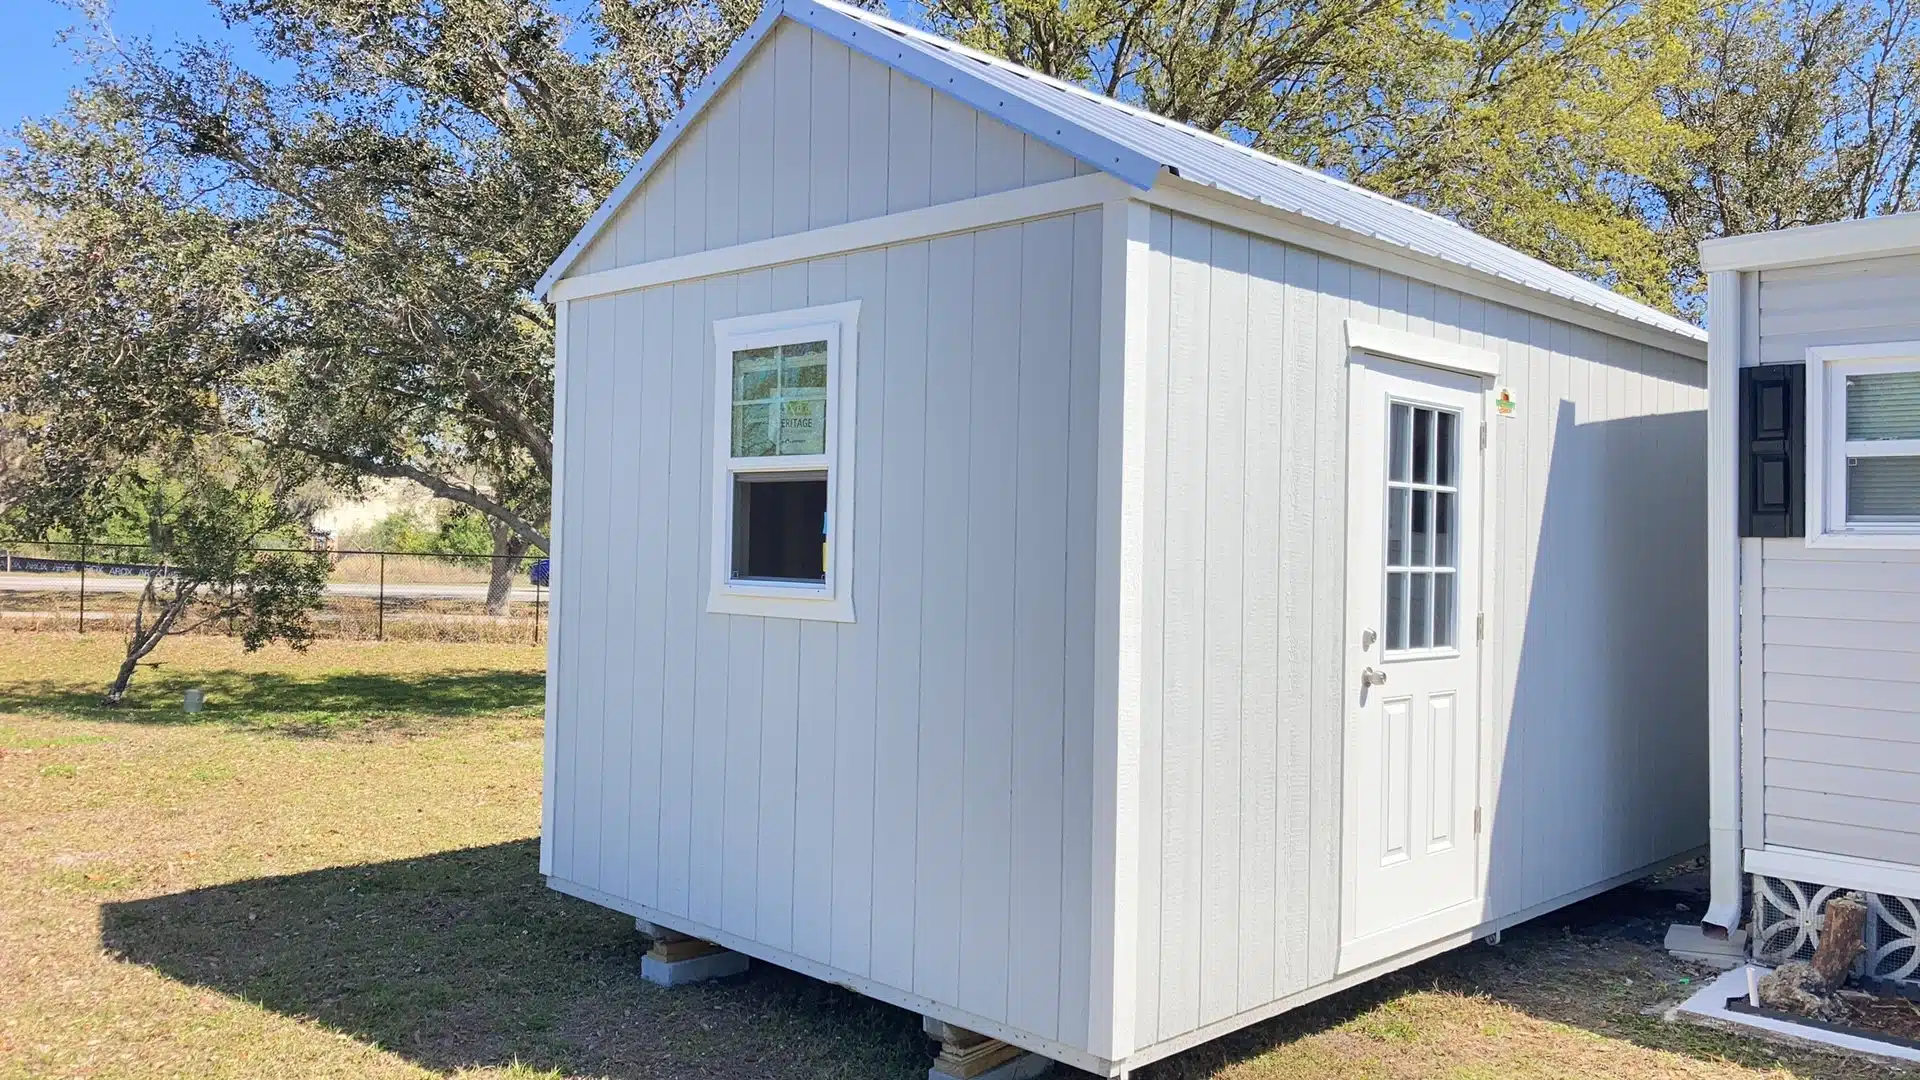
1135 145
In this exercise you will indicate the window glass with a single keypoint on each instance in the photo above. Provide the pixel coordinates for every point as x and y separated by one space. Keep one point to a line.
1883 490
1422 528
780 400
1883 405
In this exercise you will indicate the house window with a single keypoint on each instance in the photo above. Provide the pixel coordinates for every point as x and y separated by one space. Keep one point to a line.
783 464
1863 434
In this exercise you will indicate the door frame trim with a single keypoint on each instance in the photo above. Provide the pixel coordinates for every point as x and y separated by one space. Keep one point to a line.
1359 360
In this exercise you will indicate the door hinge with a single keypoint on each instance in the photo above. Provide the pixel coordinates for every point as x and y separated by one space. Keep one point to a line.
1483 434
1476 821
1480 627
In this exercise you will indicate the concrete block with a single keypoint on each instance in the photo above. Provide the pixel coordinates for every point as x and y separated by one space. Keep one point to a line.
1690 941
688 959
1023 1066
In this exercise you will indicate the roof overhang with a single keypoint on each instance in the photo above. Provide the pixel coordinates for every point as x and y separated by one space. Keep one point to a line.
1812 245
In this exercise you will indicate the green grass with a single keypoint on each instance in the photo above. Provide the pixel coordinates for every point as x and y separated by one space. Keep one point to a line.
333 872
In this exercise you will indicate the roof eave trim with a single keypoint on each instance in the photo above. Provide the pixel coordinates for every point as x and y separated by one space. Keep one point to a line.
950 76
1811 245
1288 226
663 144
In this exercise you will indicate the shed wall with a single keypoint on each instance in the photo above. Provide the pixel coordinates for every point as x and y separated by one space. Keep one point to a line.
1595 605
809 134
905 798
1836 765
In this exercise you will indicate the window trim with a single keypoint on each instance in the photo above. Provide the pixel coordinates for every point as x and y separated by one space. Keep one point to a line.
832 599
1827 418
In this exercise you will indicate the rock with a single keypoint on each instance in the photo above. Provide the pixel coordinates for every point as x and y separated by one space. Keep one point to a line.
1796 988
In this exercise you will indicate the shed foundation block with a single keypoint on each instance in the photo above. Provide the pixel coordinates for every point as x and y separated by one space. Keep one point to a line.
969 1055
676 959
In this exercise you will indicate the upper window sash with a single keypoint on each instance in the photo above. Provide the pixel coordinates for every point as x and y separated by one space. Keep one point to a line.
1829 520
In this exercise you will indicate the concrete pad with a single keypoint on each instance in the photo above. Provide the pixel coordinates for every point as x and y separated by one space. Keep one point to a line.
692 969
1710 1004
1690 941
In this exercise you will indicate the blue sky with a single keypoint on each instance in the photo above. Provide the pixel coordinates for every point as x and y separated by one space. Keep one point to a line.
36 71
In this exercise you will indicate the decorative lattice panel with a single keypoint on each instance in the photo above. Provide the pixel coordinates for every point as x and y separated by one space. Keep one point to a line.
1789 915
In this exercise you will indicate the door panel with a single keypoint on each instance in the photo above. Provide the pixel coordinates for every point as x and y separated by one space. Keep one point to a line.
1415 550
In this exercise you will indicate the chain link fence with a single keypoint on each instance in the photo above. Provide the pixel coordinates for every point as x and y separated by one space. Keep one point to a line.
370 595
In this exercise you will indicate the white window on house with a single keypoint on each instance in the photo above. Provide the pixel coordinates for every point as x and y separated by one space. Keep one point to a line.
1863 442
783 463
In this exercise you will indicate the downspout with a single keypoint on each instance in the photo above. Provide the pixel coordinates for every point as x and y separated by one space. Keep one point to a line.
1723 601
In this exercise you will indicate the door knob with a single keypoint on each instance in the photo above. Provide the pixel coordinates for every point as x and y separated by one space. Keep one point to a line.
1372 677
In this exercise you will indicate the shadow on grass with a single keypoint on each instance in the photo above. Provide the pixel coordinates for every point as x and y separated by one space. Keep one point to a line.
465 959
1599 965
312 704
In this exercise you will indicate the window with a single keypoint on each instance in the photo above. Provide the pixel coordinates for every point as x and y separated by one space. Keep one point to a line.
1863 432
1423 508
783 464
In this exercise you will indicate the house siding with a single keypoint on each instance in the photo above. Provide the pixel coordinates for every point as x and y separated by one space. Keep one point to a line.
1594 602
906 798
809 134
1833 763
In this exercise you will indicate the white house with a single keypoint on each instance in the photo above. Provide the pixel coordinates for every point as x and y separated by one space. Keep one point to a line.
1086 581
1815 571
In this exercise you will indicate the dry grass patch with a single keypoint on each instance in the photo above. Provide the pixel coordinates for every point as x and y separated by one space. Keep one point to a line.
333 872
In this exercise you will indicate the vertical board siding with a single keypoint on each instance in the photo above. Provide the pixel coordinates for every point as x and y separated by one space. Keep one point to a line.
1596 690
1838 630
845 137
906 797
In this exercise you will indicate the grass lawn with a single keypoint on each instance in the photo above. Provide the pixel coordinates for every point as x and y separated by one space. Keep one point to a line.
333 872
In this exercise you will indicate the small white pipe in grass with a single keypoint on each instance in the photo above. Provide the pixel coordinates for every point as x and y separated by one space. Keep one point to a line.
194 699
1753 986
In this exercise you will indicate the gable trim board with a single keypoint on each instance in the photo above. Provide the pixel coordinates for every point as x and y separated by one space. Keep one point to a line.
1144 151
925 223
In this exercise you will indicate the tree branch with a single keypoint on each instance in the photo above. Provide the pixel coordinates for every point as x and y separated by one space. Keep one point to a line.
464 494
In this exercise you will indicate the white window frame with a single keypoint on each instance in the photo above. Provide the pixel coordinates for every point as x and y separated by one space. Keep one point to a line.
832 599
1828 451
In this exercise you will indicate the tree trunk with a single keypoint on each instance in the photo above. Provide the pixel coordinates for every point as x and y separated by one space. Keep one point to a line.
508 547
1842 939
119 688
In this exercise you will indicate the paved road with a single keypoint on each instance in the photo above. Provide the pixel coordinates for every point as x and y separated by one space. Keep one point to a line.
18 582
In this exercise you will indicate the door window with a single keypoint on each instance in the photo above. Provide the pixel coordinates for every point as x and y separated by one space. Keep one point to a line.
1423 500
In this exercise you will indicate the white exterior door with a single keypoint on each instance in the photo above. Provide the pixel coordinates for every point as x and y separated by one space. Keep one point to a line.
1413 592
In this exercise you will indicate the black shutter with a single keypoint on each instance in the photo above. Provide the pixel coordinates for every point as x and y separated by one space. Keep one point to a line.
1773 436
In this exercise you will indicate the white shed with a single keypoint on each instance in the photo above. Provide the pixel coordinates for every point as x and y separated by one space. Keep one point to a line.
1089 582
1815 569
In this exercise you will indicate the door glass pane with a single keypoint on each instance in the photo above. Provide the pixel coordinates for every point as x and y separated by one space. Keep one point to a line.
1443 611
1883 490
1443 528
1397 526
1423 446
1397 442
1422 554
1883 405
1443 450
1396 635
780 400
1419 632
